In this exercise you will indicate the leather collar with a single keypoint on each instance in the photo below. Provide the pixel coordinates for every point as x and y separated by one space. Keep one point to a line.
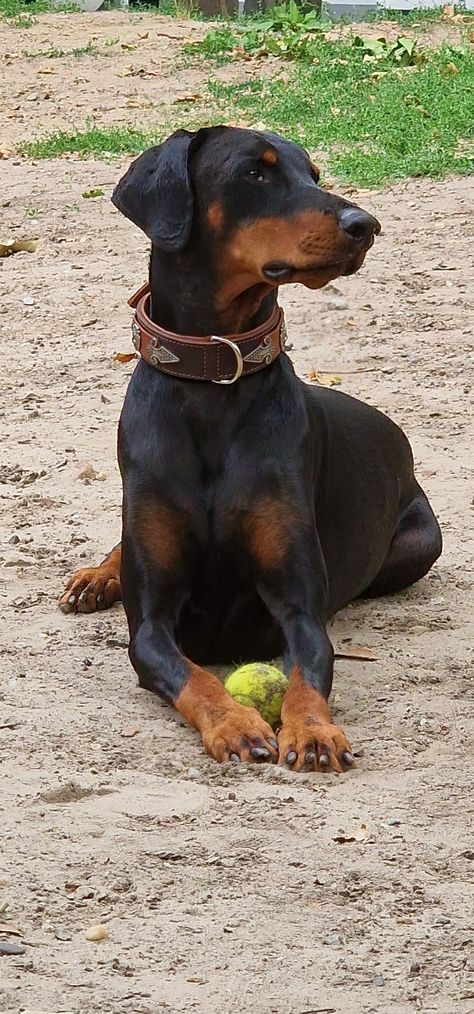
220 358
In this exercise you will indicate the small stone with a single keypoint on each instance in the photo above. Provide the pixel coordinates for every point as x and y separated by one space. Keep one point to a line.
193 773
338 303
28 300
14 540
393 822
96 933
11 947
83 894
378 980
415 968
128 731
63 934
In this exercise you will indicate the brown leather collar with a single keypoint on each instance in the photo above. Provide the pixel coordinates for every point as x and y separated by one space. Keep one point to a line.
220 358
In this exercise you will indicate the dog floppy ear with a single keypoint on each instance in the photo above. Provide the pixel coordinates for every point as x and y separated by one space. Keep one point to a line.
156 192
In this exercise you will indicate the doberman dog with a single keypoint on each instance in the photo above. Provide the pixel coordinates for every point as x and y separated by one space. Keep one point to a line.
253 508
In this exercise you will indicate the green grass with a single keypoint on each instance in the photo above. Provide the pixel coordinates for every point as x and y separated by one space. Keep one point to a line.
91 143
413 121
23 13
422 16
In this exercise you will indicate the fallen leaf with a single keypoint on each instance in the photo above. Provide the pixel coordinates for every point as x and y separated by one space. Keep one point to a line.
125 357
129 730
357 652
46 70
88 474
188 97
97 192
89 323
342 839
452 69
143 35
325 379
128 45
12 246
6 927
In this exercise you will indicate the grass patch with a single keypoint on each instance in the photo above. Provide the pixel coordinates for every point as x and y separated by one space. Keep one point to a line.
91 143
374 121
419 17
22 14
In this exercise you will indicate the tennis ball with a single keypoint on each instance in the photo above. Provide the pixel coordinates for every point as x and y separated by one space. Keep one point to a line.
261 686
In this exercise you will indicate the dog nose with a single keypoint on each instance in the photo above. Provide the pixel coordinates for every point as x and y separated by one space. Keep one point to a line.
358 224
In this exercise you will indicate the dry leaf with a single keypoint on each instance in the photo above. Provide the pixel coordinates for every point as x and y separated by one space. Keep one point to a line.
451 67
188 97
88 474
12 246
46 70
325 379
129 730
128 45
357 652
125 357
6 927
143 35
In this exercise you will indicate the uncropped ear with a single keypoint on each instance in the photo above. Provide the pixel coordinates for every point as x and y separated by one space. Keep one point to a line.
156 192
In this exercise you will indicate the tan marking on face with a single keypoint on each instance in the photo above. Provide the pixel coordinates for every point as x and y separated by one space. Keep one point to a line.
268 531
270 157
215 215
286 239
302 240
159 532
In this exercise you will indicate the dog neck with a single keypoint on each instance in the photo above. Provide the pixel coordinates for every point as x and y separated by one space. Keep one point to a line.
187 297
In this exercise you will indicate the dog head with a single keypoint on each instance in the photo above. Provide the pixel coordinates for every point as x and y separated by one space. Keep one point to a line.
251 200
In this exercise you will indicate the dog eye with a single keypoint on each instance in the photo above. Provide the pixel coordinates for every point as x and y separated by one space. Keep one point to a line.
256 175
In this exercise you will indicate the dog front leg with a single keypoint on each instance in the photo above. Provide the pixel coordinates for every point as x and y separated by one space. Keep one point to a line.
159 561
291 579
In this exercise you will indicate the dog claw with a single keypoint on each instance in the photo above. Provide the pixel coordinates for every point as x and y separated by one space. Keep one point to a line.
234 758
273 742
324 760
259 753
291 757
310 757
347 757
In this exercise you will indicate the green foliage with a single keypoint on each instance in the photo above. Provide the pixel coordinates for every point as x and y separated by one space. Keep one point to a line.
402 52
372 126
21 14
92 142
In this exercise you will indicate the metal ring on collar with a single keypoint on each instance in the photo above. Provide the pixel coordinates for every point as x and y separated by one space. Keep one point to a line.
238 357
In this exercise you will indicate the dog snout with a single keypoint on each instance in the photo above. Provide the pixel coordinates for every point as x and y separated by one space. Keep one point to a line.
359 225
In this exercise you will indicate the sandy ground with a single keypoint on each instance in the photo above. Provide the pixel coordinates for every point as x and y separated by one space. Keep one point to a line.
227 889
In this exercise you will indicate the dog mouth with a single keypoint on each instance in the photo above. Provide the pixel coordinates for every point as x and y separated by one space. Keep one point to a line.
278 272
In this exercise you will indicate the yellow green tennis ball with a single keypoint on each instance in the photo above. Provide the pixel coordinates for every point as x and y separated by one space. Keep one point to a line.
261 686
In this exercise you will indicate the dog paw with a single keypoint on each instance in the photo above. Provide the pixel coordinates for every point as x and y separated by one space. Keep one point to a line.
309 746
90 589
241 735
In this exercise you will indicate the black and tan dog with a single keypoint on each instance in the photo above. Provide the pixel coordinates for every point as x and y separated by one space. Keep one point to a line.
254 506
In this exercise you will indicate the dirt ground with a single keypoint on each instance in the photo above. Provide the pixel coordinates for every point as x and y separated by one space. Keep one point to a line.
224 889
